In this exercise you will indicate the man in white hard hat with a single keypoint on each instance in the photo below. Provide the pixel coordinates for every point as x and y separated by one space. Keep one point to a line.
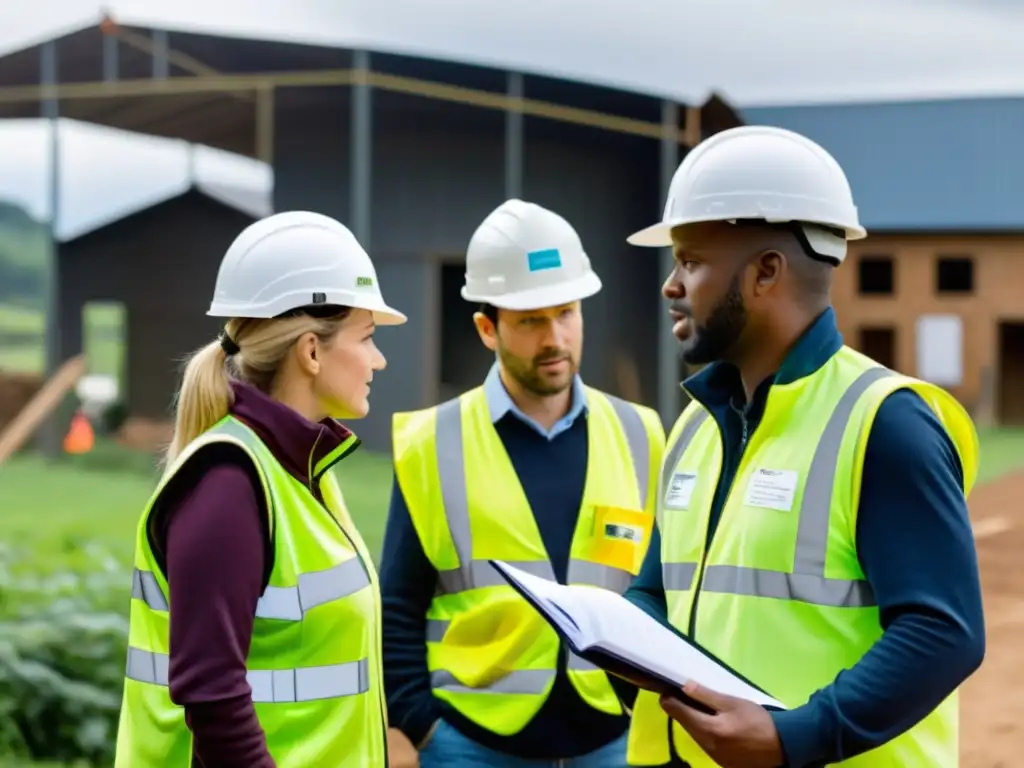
812 523
532 466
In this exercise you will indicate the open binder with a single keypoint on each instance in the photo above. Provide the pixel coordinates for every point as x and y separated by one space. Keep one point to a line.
610 632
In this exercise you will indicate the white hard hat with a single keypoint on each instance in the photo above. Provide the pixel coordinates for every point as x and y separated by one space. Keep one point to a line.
523 256
297 259
760 172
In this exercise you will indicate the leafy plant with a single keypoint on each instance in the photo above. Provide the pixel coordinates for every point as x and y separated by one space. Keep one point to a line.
63 638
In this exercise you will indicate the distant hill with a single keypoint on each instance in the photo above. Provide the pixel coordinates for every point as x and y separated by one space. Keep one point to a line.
14 216
23 251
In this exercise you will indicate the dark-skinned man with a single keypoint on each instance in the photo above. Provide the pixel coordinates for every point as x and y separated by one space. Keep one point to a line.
812 524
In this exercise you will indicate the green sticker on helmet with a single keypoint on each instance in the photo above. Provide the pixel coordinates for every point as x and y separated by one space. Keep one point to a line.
364 282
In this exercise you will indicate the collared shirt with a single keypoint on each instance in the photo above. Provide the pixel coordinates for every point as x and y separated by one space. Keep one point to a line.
551 466
915 546
500 403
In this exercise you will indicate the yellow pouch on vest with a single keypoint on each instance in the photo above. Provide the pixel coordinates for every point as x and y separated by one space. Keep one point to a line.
487 642
619 537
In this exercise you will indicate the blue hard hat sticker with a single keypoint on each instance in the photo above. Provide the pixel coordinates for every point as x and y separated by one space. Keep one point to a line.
548 258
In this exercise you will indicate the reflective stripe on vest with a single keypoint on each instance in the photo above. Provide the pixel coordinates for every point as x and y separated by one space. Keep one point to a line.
269 685
807 583
283 603
769 586
475 574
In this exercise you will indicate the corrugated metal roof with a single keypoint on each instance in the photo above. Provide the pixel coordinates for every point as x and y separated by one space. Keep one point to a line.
954 164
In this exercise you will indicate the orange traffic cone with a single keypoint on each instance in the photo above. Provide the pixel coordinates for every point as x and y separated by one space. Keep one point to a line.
80 437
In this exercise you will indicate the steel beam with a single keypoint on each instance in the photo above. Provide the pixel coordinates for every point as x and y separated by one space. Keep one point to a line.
361 162
514 137
49 438
668 346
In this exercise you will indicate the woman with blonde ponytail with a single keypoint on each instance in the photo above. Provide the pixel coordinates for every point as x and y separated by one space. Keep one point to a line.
255 613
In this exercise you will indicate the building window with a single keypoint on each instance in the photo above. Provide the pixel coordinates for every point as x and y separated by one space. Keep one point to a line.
954 274
875 276
879 344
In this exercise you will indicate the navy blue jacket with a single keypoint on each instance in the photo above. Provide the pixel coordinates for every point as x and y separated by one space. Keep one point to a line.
551 467
915 546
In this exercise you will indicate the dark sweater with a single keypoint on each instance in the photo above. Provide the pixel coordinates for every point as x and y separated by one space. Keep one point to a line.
552 474
211 540
915 546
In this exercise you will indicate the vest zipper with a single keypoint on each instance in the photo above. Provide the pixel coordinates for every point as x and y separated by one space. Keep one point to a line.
384 733
315 491
699 576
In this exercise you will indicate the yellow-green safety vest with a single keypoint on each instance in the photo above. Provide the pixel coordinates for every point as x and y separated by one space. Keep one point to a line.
782 597
314 664
467 506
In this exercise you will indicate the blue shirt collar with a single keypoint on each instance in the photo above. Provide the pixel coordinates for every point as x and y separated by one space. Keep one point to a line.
720 382
500 404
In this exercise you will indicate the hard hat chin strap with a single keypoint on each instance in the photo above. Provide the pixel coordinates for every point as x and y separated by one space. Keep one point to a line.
826 234
827 237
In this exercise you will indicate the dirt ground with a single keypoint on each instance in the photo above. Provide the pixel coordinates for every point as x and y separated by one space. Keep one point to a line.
992 701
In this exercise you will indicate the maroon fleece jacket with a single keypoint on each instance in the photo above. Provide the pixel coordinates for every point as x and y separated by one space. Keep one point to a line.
211 538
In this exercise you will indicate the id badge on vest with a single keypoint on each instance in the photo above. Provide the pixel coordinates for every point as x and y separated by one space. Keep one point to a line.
680 490
771 489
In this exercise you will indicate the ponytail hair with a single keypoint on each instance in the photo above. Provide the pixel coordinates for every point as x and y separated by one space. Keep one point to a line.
205 396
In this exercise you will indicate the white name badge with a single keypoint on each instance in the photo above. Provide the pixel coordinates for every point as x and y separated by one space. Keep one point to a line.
680 489
771 489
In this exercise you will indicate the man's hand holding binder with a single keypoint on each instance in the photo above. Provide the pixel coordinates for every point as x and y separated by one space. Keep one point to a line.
740 733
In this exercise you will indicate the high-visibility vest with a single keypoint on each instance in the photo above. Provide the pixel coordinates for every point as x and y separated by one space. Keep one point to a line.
314 664
782 597
467 506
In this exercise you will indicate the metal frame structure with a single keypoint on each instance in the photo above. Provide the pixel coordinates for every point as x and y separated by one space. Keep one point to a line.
259 89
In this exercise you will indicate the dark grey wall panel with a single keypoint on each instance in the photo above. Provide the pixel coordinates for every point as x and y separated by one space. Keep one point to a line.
409 381
161 264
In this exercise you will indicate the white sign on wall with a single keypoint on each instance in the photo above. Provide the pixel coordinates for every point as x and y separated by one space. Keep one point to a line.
940 349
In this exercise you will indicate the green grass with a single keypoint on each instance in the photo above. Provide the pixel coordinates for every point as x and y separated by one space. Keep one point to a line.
63 510
102 337
1002 451
23 359
23 319
86 508
98 497
18 319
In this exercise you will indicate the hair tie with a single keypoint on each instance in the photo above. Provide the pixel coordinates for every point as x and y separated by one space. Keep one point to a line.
228 345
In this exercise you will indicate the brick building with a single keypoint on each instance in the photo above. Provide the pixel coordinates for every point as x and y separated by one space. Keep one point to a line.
936 288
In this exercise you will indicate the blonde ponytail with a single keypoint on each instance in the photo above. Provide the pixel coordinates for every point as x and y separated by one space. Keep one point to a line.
204 398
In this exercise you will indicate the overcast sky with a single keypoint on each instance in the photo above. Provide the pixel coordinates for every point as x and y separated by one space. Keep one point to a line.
753 51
